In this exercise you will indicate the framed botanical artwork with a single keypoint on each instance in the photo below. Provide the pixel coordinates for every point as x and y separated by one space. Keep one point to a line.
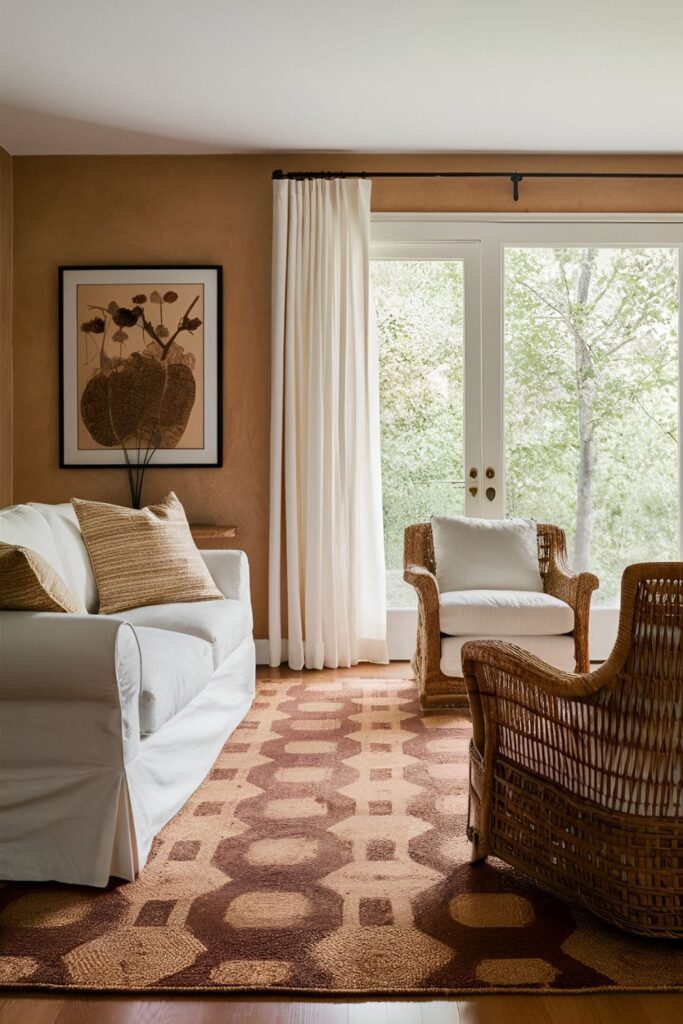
140 366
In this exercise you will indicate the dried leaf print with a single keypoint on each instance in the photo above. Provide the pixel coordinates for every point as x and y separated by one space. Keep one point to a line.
144 400
124 317
94 326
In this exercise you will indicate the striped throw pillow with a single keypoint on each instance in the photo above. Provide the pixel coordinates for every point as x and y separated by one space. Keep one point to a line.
29 584
143 556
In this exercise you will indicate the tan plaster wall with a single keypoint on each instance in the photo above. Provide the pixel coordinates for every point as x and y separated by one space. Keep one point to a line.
217 209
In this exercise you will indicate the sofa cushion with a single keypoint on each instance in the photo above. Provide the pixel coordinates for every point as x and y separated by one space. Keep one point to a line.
143 556
503 613
223 624
557 651
175 668
485 554
29 583
23 526
76 568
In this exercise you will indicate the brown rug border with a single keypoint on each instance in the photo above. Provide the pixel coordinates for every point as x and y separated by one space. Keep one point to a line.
432 993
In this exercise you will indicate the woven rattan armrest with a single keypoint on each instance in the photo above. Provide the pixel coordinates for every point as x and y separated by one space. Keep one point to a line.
576 591
489 665
512 660
571 588
428 626
425 584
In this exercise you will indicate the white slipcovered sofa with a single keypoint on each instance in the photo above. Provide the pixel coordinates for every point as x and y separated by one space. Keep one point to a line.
108 723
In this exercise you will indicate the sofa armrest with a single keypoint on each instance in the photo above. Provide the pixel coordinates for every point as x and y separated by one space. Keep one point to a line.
69 734
85 670
230 572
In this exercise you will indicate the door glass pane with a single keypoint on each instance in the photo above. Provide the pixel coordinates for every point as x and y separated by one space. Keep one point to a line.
419 305
591 401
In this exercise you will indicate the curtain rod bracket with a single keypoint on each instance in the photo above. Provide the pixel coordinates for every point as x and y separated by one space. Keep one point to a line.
515 179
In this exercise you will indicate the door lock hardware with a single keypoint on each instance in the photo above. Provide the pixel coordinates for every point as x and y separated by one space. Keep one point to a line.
490 493
490 472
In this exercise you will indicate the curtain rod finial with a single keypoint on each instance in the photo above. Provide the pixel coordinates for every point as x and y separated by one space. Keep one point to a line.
515 179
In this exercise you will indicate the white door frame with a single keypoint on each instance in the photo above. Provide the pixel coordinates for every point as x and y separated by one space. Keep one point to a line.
436 236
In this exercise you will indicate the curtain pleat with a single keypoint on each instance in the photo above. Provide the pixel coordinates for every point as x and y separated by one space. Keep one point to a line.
325 480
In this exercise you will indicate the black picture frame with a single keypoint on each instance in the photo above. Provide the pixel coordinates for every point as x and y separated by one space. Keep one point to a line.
149 275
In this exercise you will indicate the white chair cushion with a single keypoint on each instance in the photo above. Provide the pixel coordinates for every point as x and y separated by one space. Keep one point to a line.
222 624
23 526
503 613
485 554
175 668
75 561
557 651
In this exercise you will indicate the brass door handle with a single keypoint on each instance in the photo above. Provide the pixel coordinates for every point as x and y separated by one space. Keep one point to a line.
474 491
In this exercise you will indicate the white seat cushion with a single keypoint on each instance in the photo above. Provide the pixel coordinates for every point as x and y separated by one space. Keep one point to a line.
557 651
175 668
222 624
75 561
503 613
486 554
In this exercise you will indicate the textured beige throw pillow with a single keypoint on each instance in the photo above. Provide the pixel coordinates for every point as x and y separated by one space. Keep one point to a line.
29 584
143 556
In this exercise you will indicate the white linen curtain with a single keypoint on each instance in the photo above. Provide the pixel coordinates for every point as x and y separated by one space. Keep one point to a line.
325 457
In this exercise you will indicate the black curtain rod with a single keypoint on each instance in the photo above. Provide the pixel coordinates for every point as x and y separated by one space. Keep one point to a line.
515 177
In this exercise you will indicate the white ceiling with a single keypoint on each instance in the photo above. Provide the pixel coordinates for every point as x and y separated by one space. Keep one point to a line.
202 76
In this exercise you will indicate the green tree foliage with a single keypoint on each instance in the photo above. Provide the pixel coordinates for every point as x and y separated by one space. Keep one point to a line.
625 324
591 371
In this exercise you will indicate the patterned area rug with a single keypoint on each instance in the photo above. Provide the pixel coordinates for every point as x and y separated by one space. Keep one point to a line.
326 852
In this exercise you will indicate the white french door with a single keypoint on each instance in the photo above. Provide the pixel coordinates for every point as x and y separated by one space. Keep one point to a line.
532 367
428 306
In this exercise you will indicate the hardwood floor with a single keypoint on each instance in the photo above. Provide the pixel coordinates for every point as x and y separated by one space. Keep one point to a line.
580 1009
617 1008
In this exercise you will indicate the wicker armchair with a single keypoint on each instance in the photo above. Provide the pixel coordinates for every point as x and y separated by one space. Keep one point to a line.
440 690
578 780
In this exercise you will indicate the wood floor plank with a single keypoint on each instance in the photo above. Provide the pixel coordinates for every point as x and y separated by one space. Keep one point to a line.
312 1012
399 1012
103 1010
608 1008
374 1012
440 1011
28 1010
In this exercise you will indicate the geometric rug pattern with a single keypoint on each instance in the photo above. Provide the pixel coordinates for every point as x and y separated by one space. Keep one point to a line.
325 852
